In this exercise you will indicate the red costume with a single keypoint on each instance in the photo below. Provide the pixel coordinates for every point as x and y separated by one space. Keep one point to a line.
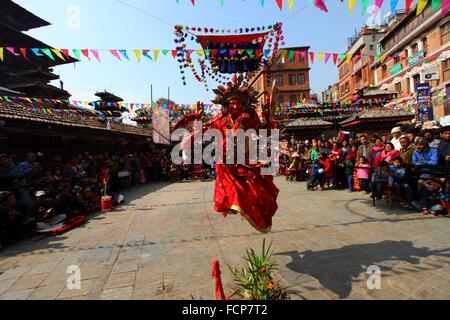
241 189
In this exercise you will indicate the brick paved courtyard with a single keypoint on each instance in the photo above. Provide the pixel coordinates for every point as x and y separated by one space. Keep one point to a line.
161 244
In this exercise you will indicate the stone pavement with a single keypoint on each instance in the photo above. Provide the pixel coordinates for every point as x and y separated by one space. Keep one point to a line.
161 245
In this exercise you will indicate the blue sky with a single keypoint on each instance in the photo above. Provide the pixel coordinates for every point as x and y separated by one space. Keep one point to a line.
110 24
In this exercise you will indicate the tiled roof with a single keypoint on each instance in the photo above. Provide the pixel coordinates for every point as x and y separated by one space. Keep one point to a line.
69 119
379 114
308 123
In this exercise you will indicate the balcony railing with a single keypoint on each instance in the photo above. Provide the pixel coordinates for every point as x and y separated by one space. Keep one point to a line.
357 66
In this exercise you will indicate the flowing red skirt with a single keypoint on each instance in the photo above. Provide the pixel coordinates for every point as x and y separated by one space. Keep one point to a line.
248 193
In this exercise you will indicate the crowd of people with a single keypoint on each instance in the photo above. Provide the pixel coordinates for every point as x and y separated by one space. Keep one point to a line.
39 187
412 165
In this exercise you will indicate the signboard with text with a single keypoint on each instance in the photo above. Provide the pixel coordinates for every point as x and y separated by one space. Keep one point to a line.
423 96
396 68
415 58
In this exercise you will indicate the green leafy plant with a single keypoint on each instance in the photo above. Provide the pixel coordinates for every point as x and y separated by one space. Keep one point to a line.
256 281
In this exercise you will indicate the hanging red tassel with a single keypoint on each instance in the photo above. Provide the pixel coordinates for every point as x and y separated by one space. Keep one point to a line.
219 294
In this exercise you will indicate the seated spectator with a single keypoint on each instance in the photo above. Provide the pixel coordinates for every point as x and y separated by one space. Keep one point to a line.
381 178
388 154
10 227
24 196
424 156
402 190
12 223
8 172
66 203
363 174
46 179
91 200
430 198
43 208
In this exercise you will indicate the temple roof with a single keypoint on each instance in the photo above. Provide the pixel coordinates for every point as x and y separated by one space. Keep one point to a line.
68 118
378 115
18 17
304 123
108 97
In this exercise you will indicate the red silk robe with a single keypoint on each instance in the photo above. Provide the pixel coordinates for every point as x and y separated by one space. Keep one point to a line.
241 188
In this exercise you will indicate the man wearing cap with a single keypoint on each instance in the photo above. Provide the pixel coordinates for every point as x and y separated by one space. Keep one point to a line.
396 133
42 208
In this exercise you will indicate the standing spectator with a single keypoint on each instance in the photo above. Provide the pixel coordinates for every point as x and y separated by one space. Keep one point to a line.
315 154
353 153
365 149
376 151
30 168
411 133
345 149
349 168
328 171
444 146
396 134
431 139
352 142
406 151
363 174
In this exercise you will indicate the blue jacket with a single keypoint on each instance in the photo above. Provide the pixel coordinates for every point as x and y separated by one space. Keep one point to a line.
429 157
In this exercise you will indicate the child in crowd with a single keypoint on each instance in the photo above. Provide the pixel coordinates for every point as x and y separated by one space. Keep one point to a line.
316 176
328 171
363 173
381 178
402 190
349 168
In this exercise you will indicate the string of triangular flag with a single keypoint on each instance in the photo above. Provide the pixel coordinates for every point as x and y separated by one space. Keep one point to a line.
153 55
421 4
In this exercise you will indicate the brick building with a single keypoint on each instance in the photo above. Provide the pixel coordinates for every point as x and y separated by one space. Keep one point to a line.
355 76
291 72
331 94
420 47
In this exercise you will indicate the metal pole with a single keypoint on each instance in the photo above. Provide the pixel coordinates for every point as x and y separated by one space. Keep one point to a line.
168 93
